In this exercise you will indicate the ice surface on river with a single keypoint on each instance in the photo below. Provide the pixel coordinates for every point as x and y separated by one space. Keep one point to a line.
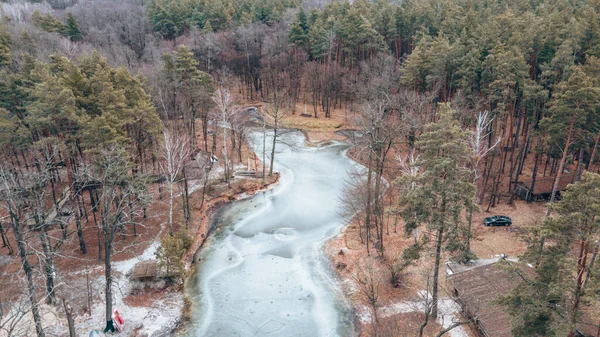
265 275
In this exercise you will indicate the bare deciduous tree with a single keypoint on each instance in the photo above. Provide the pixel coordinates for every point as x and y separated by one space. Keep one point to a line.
205 164
275 115
121 198
368 281
480 148
14 192
16 311
379 129
176 150
225 110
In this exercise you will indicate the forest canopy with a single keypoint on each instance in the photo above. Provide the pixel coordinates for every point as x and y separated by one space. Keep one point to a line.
120 98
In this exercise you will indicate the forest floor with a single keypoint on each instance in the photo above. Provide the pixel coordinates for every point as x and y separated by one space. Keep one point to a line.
148 308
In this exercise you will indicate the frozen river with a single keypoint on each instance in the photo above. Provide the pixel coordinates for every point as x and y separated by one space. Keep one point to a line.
264 273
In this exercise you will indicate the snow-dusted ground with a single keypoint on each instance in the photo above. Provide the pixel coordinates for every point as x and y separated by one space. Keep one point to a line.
264 274
155 321
448 312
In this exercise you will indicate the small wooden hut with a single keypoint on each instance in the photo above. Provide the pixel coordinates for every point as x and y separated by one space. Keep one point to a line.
541 189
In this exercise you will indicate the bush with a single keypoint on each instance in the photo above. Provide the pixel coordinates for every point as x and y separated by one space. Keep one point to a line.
170 255
185 238
397 265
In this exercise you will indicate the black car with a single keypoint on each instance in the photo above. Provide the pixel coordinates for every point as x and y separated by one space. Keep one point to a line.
497 220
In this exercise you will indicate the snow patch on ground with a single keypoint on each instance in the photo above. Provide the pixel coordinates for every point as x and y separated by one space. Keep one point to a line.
159 319
448 312
124 267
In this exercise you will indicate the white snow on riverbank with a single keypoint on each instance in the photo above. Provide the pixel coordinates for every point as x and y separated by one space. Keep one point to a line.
157 320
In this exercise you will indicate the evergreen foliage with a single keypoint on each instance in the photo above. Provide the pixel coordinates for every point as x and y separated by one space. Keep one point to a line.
551 304
172 18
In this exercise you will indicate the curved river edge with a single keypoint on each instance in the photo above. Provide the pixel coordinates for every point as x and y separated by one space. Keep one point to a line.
211 213
212 226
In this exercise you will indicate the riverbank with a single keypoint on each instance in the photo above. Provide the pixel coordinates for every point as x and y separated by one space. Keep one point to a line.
151 308
264 269
154 308
400 308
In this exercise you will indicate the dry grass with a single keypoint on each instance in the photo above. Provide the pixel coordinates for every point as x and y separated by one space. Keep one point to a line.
403 325
312 124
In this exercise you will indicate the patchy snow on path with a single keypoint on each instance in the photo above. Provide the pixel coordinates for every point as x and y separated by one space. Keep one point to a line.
126 266
448 312
156 320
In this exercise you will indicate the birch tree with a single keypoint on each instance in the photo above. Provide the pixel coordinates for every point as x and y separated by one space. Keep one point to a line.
224 112
480 148
176 150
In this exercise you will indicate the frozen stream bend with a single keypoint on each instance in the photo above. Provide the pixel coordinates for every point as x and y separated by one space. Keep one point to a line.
264 273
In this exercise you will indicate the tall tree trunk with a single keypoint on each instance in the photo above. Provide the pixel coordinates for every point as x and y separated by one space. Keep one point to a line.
108 278
369 201
35 311
70 320
581 267
82 246
533 178
561 166
205 130
436 270
5 241
264 150
470 229
171 232
579 165
273 149
226 157
48 266
186 208
487 174
98 230
587 167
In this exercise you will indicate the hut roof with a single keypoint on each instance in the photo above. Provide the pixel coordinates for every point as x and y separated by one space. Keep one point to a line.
478 289
145 270
544 185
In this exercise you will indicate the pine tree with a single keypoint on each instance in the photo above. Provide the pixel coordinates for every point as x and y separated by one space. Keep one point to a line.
574 103
47 22
207 28
192 84
71 28
5 46
552 303
298 32
53 109
169 17
444 187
